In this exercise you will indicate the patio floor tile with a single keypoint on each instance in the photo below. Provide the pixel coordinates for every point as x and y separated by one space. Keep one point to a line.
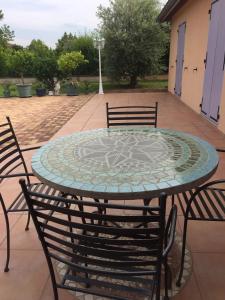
21 239
26 278
205 237
210 274
190 290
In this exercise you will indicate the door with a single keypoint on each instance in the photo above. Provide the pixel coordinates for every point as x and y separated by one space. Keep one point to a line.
215 62
180 58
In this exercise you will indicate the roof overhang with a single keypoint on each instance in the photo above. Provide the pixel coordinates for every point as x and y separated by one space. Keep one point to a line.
171 7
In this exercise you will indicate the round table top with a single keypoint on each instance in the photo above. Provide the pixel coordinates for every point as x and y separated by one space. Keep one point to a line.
125 163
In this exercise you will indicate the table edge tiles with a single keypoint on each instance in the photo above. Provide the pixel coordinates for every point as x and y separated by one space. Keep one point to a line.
134 192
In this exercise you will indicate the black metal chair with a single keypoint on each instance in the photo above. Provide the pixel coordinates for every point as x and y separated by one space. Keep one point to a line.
11 160
103 254
206 203
132 115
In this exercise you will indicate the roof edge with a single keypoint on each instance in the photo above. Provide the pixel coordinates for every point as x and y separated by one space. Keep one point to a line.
169 9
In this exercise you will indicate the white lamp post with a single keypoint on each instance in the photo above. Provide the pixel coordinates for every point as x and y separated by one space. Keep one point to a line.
99 44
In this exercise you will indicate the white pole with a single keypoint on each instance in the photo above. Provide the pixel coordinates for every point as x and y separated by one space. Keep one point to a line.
100 71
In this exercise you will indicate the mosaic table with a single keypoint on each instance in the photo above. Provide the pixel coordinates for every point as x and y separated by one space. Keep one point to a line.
125 163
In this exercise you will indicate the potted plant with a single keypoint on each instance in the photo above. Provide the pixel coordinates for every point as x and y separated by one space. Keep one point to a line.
71 86
68 63
22 61
40 89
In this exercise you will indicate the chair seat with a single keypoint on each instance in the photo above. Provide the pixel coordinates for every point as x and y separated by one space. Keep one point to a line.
19 204
209 204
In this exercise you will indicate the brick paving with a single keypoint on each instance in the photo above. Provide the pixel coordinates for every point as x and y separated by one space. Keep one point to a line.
37 119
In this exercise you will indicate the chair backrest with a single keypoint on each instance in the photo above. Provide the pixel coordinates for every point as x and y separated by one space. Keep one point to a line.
132 115
10 153
100 244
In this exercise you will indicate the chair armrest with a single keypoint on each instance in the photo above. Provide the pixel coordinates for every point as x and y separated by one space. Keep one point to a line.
30 148
170 230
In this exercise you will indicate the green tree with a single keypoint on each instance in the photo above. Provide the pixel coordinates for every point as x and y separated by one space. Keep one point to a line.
22 62
38 48
134 41
65 43
83 43
45 67
6 34
69 62
5 55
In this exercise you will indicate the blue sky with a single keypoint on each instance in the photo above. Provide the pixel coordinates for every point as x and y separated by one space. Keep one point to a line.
49 19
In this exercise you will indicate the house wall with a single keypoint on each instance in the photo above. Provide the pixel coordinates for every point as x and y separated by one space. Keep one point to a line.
195 14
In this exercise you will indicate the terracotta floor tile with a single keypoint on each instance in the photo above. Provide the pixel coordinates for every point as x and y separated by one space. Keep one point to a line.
13 219
210 274
26 278
21 239
190 291
205 236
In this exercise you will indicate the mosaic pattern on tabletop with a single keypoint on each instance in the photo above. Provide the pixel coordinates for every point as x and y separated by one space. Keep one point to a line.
125 160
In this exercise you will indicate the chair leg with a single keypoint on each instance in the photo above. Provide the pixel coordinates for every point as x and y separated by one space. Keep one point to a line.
178 283
172 200
28 222
6 269
55 291
167 279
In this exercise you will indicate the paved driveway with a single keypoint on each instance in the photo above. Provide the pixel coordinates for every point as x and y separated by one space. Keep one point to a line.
37 119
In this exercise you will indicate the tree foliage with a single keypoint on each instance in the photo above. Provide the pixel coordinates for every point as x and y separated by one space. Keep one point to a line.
134 41
6 34
65 43
22 62
84 43
5 55
39 48
45 67
69 62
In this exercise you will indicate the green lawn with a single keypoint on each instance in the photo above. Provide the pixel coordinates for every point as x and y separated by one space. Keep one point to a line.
89 87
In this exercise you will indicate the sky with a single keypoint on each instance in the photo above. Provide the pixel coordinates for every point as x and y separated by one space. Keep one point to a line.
49 19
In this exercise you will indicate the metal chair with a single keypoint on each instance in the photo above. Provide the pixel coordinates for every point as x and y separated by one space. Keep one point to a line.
11 159
206 203
131 115
103 254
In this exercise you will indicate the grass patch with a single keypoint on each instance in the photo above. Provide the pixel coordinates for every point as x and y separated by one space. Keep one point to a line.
86 87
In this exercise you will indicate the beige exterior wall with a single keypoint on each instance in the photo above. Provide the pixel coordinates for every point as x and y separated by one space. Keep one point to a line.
195 14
